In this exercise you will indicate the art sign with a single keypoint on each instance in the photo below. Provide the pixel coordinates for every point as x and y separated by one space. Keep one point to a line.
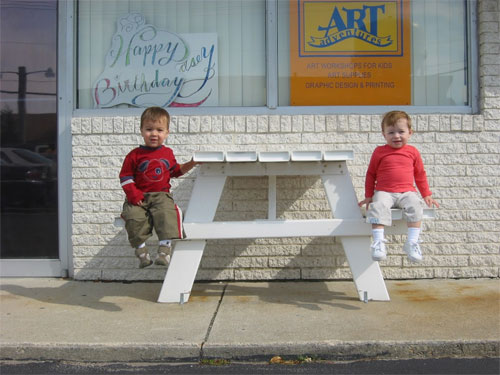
350 52
147 66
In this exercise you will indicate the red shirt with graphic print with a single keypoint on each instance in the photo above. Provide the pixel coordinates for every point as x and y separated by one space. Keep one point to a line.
147 170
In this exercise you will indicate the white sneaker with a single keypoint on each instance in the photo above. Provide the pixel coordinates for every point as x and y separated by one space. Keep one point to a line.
412 248
378 250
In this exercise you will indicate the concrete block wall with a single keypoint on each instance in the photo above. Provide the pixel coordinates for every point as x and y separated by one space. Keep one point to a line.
461 154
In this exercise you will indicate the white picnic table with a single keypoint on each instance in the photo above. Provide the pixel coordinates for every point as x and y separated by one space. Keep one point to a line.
347 223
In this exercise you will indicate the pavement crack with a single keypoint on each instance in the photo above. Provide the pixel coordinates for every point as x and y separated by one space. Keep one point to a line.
207 335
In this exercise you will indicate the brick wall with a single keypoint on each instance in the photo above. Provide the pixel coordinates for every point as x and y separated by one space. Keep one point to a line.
461 154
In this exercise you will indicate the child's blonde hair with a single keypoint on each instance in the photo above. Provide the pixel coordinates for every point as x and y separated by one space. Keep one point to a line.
390 118
154 114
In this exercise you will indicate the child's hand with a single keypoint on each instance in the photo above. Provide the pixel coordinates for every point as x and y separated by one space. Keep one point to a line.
186 167
134 195
366 201
430 202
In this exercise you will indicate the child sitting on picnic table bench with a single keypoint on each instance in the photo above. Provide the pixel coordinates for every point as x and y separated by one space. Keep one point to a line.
392 172
145 179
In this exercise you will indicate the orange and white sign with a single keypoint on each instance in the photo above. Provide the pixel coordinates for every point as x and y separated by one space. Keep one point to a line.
350 52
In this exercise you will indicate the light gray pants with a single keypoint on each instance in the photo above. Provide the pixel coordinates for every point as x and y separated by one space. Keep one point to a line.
379 210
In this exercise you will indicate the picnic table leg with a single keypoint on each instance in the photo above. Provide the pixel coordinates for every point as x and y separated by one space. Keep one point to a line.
182 271
366 272
187 254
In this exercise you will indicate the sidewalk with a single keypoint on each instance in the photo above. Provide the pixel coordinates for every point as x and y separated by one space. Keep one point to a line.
111 321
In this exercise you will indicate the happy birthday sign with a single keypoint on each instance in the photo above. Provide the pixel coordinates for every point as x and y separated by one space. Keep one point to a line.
147 66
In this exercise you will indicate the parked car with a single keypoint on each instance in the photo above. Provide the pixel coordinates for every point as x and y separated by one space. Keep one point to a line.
28 180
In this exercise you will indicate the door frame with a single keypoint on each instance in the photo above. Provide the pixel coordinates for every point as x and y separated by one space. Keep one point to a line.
62 267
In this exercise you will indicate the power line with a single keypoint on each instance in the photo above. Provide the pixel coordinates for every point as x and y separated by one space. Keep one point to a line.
35 5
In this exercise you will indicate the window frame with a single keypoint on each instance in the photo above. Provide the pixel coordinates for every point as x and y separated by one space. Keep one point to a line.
272 107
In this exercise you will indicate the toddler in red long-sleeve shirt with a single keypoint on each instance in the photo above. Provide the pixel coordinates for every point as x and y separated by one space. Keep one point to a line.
393 171
145 179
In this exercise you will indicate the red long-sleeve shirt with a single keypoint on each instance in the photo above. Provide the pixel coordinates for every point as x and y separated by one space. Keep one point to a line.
146 170
396 170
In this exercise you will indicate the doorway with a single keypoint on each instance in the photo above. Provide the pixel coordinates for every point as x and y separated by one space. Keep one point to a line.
29 131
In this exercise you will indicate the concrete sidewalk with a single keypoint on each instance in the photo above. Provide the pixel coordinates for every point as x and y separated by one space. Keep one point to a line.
111 321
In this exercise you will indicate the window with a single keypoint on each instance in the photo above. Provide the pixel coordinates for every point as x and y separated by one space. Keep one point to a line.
439 75
236 28
29 219
345 70
328 53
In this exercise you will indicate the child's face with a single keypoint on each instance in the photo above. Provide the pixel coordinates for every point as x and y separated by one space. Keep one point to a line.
398 134
154 132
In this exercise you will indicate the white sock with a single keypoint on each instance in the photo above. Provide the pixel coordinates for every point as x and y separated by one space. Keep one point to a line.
142 245
165 243
378 234
413 234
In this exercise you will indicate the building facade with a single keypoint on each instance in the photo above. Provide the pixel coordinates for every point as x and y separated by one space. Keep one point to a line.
459 143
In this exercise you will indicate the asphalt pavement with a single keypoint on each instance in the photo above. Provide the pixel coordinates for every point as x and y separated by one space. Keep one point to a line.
63 319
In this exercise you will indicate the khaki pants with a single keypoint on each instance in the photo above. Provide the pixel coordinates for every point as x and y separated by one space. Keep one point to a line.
157 211
379 210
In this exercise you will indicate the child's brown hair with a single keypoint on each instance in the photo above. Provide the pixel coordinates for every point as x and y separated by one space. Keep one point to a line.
390 118
154 114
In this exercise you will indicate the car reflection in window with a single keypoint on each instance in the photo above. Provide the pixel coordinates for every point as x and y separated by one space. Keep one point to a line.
28 180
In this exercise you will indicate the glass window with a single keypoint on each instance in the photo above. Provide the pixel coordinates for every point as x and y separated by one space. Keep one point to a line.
394 52
178 53
439 53
29 199
212 53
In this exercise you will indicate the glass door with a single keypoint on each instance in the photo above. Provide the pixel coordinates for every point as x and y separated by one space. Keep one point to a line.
29 131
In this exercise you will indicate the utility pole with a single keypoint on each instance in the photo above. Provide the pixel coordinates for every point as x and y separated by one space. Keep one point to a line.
22 84
21 101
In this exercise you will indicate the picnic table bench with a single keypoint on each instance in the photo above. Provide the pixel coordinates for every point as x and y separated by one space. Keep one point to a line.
347 223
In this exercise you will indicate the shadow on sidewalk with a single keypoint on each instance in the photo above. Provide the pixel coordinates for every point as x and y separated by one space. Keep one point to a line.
87 294
310 295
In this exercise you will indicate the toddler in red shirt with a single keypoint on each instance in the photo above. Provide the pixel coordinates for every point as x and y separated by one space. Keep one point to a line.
145 179
393 171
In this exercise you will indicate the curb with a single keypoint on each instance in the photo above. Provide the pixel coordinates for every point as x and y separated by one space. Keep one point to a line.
346 351
115 352
331 350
